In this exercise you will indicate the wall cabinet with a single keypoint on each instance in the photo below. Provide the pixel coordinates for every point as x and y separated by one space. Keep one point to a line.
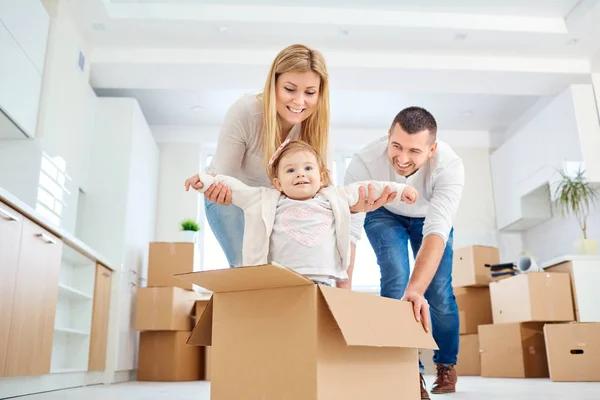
34 303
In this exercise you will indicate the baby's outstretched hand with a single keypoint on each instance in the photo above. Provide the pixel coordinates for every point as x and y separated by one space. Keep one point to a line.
193 182
409 195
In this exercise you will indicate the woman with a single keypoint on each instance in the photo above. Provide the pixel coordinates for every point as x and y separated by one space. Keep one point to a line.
294 104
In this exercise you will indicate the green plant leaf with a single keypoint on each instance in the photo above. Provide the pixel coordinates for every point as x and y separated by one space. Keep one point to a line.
189 225
575 196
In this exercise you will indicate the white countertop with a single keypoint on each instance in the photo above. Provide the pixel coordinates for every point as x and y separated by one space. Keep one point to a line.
574 257
66 237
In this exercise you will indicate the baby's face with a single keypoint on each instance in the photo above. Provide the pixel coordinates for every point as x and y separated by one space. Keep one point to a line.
298 176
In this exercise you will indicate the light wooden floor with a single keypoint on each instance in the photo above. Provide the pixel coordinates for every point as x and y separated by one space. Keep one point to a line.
470 388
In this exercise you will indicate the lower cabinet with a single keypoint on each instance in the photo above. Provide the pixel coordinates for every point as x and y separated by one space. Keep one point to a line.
97 361
34 304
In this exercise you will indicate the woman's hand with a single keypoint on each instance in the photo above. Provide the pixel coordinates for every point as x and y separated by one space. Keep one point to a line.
369 203
218 194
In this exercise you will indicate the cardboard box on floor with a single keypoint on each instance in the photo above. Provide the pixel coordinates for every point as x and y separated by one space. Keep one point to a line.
513 350
469 360
168 258
535 296
165 356
573 351
275 334
474 308
165 309
468 265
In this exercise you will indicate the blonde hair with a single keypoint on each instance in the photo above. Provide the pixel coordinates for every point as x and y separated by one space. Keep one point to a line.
297 146
315 129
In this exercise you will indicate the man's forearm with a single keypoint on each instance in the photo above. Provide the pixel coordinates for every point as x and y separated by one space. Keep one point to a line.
426 264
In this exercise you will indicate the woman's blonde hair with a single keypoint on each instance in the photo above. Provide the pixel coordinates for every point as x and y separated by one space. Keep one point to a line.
293 147
315 129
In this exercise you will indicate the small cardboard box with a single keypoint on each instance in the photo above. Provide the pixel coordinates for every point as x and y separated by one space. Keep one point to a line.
274 334
474 308
469 361
535 296
165 356
164 309
513 351
166 259
468 265
573 351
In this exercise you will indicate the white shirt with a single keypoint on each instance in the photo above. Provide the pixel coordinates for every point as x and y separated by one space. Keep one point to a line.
303 238
439 182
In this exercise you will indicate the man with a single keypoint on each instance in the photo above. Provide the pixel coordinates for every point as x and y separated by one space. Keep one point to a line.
411 154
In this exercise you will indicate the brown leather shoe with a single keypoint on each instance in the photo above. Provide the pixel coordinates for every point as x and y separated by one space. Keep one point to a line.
445 381
424 394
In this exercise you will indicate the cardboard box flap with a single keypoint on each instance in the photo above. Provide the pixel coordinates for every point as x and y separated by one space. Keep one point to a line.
245 278
202 333
368 320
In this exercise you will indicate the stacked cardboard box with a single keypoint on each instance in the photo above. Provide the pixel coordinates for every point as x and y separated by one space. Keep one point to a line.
470 280
165 317
514 346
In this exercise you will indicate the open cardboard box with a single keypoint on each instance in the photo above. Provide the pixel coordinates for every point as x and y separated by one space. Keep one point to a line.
276 335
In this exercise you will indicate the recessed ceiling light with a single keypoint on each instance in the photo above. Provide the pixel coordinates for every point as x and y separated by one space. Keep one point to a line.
196 108
223 28
98 26
461 36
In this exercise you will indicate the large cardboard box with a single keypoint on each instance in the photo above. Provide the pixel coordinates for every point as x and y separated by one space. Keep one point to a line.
535 296
165 356
474 308
274 334
168 258
513 351
199 310
165 309
573 351
468 265
469 360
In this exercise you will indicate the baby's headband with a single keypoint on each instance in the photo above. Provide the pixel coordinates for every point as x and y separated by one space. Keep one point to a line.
278 152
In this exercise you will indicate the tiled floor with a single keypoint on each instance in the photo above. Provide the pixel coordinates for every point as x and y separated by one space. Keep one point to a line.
470 388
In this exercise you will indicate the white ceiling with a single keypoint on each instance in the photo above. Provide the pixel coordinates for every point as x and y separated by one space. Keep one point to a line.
491 59
349 109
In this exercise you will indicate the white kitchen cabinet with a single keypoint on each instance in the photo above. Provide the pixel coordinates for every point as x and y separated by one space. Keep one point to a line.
118 211
24 26
20 85
525 166
28 22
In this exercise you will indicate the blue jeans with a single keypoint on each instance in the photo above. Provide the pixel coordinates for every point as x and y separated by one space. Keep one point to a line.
227 224
389 235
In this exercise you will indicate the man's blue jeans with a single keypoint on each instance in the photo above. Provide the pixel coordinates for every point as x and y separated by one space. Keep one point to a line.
227 224
389 235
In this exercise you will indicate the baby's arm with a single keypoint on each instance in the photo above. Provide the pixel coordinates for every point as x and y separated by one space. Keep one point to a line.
241 194
352 190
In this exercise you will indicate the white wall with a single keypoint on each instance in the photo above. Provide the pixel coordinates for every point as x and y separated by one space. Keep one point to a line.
178 161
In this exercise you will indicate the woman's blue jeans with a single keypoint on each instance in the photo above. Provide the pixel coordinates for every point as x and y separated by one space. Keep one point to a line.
227 224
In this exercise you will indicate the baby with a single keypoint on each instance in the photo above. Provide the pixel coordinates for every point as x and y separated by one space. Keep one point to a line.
304 223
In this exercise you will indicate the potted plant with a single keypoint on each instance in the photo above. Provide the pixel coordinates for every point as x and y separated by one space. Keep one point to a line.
189 230
575 195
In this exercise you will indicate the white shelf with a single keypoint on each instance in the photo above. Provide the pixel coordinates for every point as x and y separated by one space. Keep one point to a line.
67 370
71 293
72 331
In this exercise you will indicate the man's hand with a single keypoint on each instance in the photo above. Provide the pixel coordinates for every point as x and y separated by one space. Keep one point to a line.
409 195
368 202
347 284
420 307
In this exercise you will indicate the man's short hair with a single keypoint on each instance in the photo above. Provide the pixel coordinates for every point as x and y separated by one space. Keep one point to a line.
416 119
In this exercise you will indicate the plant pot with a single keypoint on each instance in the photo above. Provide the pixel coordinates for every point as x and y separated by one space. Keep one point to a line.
188 236
586 246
